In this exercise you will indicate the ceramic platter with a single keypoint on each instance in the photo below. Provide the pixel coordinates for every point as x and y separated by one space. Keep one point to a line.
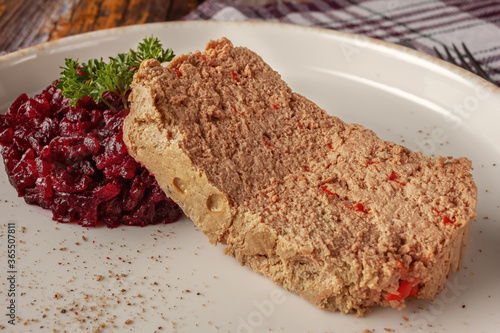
168 278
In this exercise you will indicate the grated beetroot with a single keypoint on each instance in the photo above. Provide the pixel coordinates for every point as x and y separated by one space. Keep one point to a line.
73 161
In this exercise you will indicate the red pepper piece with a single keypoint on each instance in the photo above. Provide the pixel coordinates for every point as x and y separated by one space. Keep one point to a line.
359 208
375 162
179 74
406 288
300 125
404 291
394 176
235 77
274 106
266 142
329 145
306 168
325 189
447 220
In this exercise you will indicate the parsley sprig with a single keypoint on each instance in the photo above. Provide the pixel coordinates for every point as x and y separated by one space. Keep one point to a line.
96 77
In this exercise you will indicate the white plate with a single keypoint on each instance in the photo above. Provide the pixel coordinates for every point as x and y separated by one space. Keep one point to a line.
403 95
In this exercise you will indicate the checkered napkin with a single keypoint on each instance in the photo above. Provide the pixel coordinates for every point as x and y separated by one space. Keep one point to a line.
421 24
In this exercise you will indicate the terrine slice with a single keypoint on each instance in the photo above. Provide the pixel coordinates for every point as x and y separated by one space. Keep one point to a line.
324 208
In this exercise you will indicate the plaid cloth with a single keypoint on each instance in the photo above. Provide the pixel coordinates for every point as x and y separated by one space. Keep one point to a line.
421 24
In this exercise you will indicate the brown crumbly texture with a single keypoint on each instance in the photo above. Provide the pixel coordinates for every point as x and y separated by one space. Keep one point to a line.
324 208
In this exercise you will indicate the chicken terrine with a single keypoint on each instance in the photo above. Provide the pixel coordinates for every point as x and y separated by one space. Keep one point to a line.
324 208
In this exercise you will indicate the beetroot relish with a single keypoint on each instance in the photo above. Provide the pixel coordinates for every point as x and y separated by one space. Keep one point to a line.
73 161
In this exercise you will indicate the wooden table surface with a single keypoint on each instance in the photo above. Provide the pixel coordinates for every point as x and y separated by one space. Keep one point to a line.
25 23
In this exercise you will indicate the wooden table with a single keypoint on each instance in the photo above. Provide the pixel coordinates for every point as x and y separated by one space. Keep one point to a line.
25 23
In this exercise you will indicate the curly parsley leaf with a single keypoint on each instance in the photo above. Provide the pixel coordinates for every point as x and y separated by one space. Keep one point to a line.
96 77
150 48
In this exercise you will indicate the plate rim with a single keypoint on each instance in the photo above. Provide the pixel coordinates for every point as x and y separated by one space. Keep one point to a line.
404 52
429 60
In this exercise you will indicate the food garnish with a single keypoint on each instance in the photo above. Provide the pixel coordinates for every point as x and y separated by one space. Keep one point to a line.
63 149
96 77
